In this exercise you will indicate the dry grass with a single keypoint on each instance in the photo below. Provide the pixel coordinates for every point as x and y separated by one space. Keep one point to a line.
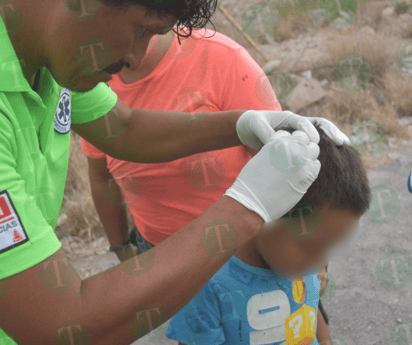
345 108
387 96
378 49
292 28
398 90
402 7
285 31
407 32
370 14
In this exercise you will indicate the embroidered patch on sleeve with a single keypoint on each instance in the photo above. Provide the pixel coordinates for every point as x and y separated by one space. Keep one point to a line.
12 232
63 117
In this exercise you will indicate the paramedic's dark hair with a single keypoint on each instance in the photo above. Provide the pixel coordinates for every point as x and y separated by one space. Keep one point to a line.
191 14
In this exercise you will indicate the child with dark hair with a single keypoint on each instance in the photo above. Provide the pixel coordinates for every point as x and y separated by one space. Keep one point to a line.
250 301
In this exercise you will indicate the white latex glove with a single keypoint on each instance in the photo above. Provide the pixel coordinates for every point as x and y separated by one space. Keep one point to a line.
274 180
255 128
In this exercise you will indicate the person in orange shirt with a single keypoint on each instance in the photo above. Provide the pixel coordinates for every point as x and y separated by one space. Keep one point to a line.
207 72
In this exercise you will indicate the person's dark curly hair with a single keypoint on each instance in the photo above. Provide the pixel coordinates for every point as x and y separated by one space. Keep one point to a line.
191 14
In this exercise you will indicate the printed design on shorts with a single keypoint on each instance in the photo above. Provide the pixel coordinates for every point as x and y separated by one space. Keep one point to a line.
63 116
12 232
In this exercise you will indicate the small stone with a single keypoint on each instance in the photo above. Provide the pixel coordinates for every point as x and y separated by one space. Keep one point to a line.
62 219
100 251
405 120
388 11
312 44
265 39
307 74
367 30
406 16
74 245
306 93
392 146
272 64
393 155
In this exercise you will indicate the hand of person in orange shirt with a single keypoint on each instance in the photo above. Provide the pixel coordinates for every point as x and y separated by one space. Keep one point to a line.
255 128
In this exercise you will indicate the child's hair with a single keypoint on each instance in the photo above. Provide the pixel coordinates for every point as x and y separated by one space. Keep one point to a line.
342 179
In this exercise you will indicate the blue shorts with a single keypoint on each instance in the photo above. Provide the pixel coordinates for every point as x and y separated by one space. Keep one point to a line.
137 239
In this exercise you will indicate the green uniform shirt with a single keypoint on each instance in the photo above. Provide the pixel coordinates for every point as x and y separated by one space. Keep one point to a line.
34 156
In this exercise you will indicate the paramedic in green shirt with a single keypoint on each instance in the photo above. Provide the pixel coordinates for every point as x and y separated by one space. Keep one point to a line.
53 57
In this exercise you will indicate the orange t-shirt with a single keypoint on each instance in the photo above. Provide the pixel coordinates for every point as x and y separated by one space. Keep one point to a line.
204 74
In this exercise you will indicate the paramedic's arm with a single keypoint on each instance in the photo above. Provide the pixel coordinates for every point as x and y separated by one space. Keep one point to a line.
146 136
106 303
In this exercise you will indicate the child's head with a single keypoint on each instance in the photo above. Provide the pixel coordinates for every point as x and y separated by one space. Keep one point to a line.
342 181
326 214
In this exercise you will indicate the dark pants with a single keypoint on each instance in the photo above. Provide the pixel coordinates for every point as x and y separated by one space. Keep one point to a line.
141 244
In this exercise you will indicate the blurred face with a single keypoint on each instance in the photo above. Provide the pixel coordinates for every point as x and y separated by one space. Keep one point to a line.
286 254
337 226
81 54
